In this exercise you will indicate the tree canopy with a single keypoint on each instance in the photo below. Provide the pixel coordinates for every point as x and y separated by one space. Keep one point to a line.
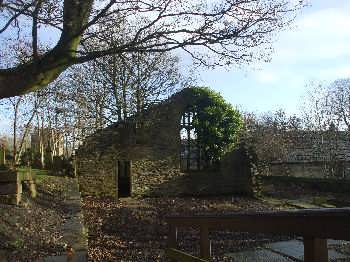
216 122
212 32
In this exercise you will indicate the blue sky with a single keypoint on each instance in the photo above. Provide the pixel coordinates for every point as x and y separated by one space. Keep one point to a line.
317 48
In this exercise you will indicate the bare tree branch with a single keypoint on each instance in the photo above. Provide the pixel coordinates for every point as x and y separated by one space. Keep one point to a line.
214 33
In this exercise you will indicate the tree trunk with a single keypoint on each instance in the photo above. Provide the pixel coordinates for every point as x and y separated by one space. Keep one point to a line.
26 131
37 74
14 155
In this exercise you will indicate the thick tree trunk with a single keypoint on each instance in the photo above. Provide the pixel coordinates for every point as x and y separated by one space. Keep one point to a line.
39 73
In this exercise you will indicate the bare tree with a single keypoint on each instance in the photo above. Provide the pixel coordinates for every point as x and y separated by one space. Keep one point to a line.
338 98
270 135
326 116
22 109
137 80
15 103
212 32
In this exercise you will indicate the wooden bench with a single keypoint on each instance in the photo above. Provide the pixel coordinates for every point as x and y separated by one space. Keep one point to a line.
314 225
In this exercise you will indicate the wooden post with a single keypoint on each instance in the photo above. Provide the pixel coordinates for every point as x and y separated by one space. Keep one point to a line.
315 250
172 236
204 242
2 156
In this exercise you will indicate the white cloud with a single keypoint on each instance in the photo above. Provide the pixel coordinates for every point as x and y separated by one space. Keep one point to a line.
323 34
336 72
266 77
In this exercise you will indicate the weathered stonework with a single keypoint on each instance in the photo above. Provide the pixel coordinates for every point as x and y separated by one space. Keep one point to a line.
11 183
10 187
152 144
313 154
240 166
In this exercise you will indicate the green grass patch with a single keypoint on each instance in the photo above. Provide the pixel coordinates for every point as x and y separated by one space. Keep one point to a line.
37 174
18 243
33 171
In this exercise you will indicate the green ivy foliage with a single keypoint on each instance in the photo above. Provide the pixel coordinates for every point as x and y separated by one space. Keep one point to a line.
216 122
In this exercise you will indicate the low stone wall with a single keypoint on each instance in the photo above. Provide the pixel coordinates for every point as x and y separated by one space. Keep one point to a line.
307 169
11 183
10 187
321 184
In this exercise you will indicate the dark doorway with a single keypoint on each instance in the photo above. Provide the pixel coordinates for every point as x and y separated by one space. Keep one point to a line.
124 178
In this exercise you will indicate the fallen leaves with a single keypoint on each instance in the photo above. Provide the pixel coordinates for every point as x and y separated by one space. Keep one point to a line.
135 230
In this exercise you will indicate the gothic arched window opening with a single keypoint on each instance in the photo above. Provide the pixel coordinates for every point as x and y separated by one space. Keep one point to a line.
190 149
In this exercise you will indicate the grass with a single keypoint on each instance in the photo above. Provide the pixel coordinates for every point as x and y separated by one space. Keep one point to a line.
37 174
18 243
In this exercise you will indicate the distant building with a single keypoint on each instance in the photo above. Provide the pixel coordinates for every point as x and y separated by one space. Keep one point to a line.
314 154
52 141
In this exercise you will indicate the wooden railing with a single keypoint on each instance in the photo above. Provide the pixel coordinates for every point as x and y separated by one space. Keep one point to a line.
314 225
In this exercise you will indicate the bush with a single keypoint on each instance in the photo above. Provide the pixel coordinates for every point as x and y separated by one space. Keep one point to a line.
216 122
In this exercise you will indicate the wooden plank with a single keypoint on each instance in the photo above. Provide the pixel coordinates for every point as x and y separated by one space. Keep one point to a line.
178 255
315 250
204 242
172 236
328 223
314 225
10 188
8 176
295 212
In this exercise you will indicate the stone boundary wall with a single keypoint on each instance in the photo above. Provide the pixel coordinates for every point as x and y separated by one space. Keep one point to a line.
321 184
314 169
316 146
11 183
10 187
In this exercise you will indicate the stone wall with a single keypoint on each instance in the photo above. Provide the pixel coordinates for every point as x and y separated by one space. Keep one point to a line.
11 183
153 146
164 178
154 137
97 175
150 177
313 154
312 146
97 158
10 187
319 184
240 166
308 169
